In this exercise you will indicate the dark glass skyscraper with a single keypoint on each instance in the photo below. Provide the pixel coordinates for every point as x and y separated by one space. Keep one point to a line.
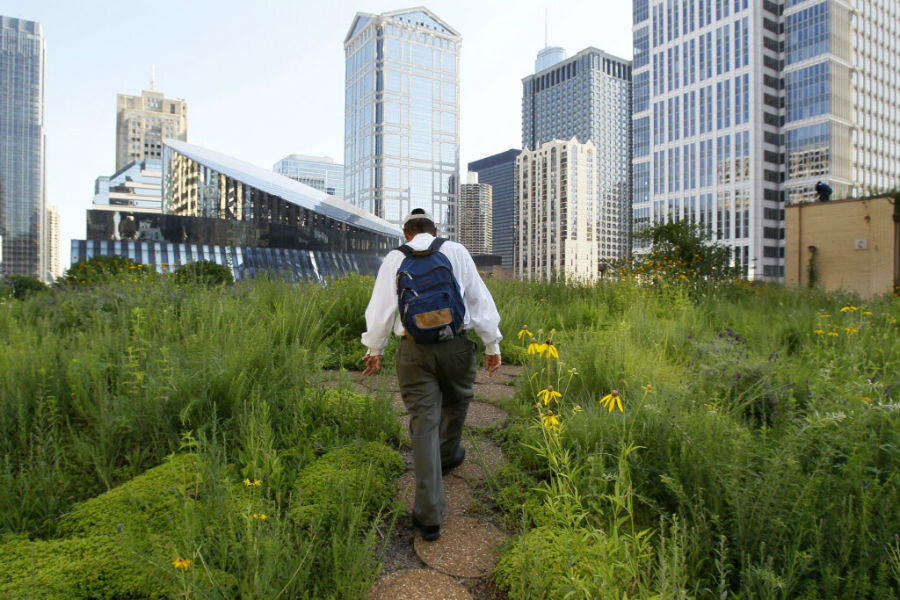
22 147
499 170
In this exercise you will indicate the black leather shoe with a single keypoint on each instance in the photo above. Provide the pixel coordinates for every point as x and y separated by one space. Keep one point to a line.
454 462
430 533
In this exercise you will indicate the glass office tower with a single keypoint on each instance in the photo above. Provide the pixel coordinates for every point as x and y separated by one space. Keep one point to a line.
401 132
319 172
499 170
22 218
743 105
587 96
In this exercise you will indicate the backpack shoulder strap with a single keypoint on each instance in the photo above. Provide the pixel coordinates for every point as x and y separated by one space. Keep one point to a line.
405 249
436 244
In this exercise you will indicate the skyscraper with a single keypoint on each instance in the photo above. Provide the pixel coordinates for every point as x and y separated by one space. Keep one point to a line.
143 122
556 224
587 96
739 105
138 187
401 131
499 171
842 97
52 243
319 172
22 152
476 216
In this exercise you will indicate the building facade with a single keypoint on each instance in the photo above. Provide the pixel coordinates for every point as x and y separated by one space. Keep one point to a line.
22 149
401 132
842 97
588 97
499 171
143 122
137 186
319 172
556 229
849 245
742 106
52 245
476 216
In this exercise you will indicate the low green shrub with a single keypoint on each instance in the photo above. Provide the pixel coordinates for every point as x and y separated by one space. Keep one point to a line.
567 562
144 504
362 475
105 268
97 567
347 415
22 286
204 272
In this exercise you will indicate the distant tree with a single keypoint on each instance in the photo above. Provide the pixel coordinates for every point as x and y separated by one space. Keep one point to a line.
682 250
203 271
104 268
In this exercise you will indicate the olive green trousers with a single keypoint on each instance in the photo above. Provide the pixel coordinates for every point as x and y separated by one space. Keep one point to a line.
436 386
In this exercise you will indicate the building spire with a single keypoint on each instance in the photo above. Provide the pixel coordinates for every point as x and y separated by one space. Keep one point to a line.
545 27
152 78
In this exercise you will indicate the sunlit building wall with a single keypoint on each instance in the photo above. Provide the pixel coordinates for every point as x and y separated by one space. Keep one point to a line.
143 122
138 186
52 243
556 227
476 216
401 131
22 148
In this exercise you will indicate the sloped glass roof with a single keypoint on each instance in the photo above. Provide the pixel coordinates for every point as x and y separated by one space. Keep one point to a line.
285 188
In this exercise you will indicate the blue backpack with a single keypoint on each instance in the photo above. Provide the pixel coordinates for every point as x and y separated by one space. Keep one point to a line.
431 306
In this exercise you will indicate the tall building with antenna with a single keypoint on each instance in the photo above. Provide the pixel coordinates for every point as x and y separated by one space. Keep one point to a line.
587 97
143 122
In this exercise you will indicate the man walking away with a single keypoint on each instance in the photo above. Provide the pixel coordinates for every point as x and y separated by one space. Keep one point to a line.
436 360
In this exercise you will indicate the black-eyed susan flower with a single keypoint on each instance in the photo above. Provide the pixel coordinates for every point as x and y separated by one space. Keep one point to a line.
833 334
523 332
535 348
550 421
647 388
182 563
550 349
819 332
259 516
612 401
851 330
548 395
252 482
576 409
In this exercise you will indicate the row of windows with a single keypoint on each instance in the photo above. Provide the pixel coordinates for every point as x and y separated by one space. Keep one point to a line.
809 92
809 32
666 18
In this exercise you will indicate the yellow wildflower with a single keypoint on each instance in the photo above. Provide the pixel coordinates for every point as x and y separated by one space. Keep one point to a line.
576 409
709 406
550 421
833 334
252 482
573 371
548 395
824 316
551 349
260 516
866 399
851 330
182 563
612 401
849 308
524 331
819 332
535 348
867 313
648 388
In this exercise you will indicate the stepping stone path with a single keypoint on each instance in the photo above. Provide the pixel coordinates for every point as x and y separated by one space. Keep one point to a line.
457 565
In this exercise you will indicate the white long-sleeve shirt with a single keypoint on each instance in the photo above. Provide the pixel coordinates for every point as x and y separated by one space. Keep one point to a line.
481 312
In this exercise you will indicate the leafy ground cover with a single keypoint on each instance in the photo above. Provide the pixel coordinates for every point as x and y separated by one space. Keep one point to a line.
164 436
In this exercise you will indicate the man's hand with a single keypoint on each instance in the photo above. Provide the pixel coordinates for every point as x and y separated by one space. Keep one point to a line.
373 363
491 363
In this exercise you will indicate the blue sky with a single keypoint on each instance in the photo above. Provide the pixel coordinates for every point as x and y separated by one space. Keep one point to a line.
265 79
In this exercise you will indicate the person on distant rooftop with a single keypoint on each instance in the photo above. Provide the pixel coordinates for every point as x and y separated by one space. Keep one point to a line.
436 379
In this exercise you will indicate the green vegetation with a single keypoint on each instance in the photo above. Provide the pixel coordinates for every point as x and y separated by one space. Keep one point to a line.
203 271
163 438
